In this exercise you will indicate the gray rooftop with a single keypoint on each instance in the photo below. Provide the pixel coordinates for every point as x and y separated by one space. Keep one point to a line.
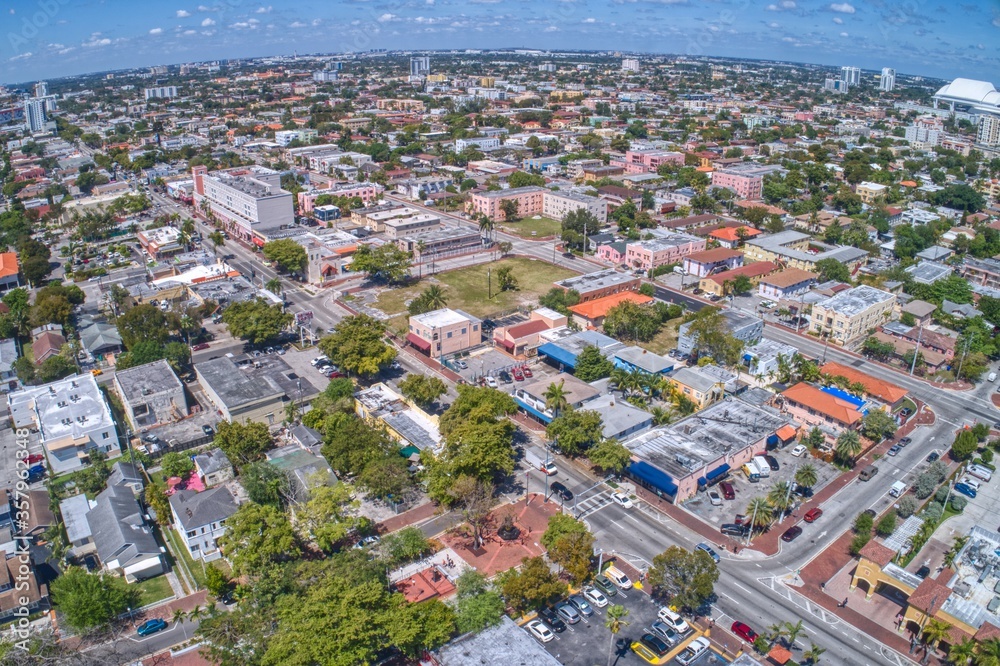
695 378
767 349
8 354
74 513
118 528
583 284
212 461
576 390
505 643
143 381
935 253
199 509
617 415
233 386
776 243
856 300
422 434
928 272
514 191
687 446
73 406
666 241
644 359
576 342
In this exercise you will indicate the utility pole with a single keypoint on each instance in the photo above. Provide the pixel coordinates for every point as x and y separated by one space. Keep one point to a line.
968 341
753 521
916 350
787 497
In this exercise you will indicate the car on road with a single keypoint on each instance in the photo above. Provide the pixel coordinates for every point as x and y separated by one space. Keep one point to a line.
812 515
906 411
492 382
97 372
731 529
772 462
199 346
904 441
461 365
923 572
894 450
933 456
666 632
527 372
602 583
656 644
207 429
595 597
791 533
698 647
799 451
708 549
581 605
150 627
965 489
568 612
553 620
622 500
714 498
744 631
538 629
562 491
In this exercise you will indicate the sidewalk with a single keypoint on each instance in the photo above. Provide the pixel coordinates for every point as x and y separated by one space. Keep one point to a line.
407 518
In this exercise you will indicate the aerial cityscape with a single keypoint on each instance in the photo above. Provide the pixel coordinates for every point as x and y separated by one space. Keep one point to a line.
445 333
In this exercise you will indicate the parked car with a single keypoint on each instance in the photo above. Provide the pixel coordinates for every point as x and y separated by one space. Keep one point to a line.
744 631
799 451
697 648
150 627
527 372
561 490
965 489
934 455
812 515
674 620
553 620
906 411
461 365
518 375
492 382
35 458
894 450
714 498
538 629
730 529
728 492
367 541
708 549
791 533
207 429
568 612
666 632
772 462
505 377
581 605
595 597
659 646
622 500
602 583
904 441
199 346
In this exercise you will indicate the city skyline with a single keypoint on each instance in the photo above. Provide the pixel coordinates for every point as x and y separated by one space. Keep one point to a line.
49 40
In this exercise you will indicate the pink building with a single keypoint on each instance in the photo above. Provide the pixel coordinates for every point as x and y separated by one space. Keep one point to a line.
647 161
746 185
613 253
444 332
367 192
659 251
530 201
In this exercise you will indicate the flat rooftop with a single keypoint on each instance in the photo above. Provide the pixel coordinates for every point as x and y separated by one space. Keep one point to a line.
777 243
512 192
70 407
234 387
443 317
149 379
856 300
687 446
665 242
597 280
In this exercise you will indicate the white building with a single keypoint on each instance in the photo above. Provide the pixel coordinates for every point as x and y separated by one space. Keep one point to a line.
888 80
989 130
161 92
556 205
852 75
244 198
482 143
71 417
420 66
285 137
34 115
920 134
200 519
630 65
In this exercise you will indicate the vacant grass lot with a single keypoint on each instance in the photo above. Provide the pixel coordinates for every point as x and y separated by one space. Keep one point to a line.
543 226
466 288
666 339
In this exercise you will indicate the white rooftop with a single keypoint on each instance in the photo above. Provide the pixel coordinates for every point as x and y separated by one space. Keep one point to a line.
70 407
443 317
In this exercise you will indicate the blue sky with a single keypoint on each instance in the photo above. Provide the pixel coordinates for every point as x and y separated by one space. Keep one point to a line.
51 38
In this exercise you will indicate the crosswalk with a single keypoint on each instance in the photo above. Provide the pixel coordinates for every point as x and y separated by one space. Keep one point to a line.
592 503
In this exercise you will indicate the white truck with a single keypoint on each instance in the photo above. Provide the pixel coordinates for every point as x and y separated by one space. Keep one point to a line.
763 469
897 489
539 462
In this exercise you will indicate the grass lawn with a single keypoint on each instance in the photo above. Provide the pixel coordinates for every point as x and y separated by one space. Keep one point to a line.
153 590
543 226
666 339
196 569
466 288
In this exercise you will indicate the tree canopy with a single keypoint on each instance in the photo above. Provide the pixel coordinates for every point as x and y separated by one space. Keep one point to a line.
358 345
256 321
286 253
92 601
683 578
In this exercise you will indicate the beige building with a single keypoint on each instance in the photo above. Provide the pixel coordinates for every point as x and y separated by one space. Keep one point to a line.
871 192
444 332
851 314
794 249
238 397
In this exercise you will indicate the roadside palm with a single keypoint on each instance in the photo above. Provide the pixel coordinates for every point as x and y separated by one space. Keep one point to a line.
274 286
196 614
777 632
760 513
555 397
960 654
848 446
780 497
934 633
812 655
794 631
614 623
806 476
178 618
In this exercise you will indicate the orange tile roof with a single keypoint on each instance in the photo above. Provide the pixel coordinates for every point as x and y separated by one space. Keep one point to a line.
809 396
599 307
877 552
929 593
729 233
786 432
716 254
756 269
527 328
881 389
8 264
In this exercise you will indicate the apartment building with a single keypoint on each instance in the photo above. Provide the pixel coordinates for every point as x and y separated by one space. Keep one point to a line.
740 325
982 272
826 407
871 193
443 241
484 144
557 205
746 179
398 227
789 283
798 250
670 249
703 263
242 199
852 313
574 168
366 191
647 161
720 284
444 332
530 201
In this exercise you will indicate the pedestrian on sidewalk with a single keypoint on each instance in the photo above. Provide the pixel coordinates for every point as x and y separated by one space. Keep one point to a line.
844 604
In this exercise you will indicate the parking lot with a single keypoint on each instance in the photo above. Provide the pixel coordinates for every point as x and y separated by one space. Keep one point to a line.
701 506
490 362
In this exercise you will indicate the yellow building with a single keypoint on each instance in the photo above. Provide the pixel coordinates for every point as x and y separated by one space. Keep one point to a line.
696 386
794 249
852 313
871 192
487 81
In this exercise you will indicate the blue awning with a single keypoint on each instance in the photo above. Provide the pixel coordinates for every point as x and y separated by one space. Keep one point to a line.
747 357
717 472
702 481
558 354
534 412
773 440
655 477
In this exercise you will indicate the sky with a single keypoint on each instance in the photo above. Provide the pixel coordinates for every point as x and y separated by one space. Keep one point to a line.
53 38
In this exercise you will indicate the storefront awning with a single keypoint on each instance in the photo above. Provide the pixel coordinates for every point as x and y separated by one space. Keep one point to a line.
718 472
418 342
655 477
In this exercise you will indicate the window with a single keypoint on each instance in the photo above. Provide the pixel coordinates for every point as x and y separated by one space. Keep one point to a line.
449 334
192 533
105 436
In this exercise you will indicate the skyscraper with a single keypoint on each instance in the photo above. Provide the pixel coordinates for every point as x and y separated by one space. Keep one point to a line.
888 80
420 66
851 75
34 114
630 64
41 89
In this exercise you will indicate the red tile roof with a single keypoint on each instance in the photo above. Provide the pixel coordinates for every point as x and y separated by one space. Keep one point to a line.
927 593
809 396
731 233
877 552
756 269
599 306
8 264
527 328
881 389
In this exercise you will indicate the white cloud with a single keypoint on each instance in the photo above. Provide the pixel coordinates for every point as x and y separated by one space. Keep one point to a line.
844 34
590 20
20 56
773 24
315 22
297 24
551 28
156 31
430 2
203 8
788 4
996 19
385 18
838 21
790 40
183 13
842 7
190 32
207 22
96 41
264 10
241 25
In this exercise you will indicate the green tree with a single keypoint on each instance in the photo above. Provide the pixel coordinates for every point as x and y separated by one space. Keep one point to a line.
358 345
848 446
805 476
683 578
243 443
328 517
522 179
863 523
216 581
560 300
156 499
592 365
570 545
610 455
556 399
266 484
479 605
92 601
257 536
56 367
176 464
422 389
575 431
631 321
741 284
964 446
760 512
711 334
407 545
886 526
286 253
530 586
510 209
878 424
385 263
831 269
255 321
506 279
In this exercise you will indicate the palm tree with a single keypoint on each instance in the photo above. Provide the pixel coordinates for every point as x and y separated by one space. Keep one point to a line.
813 653
662 416
780 497
434 297
196 614
777 632
934 633
760 512
624 381
421 246
178 619
848 446
486 226
960 654
274 286
806 476
555 397
794 631
988 653
615 622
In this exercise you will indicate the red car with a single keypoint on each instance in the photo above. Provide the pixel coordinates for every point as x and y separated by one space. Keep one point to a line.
518 375
35 458
813 514
744 631
200 346
527 372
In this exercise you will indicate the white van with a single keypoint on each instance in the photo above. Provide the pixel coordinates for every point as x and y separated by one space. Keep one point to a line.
897 489
618 578
992 377
763 469
980 472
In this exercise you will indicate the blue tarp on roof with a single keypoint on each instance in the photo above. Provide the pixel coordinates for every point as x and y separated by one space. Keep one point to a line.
654 476
717 472
534 412
558 354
